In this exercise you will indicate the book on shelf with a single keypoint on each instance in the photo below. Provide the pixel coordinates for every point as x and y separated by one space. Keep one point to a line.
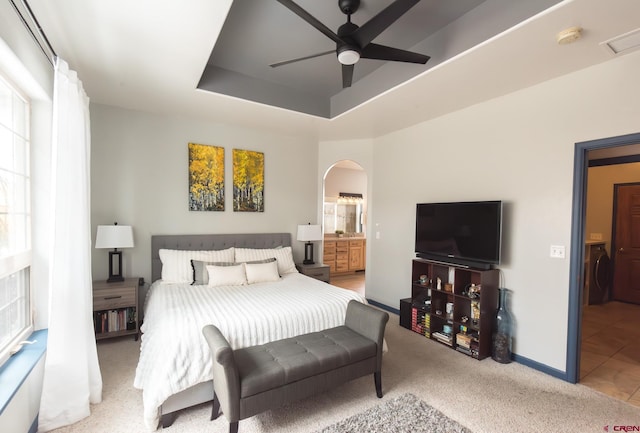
114 320
463 340
420 322
443 338
464 350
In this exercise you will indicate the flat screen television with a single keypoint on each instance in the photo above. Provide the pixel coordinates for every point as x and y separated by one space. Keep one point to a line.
461 233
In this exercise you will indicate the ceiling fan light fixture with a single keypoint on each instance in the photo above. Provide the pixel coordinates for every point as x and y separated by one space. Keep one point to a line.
348 56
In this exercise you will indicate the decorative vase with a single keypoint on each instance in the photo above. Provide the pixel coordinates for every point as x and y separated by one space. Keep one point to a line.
502 338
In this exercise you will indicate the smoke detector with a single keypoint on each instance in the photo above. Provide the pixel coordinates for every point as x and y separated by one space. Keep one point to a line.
569 35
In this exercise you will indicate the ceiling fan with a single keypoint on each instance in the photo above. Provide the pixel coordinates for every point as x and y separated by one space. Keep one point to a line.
354 42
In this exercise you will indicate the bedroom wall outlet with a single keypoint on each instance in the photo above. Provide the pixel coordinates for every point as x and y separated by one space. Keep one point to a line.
557 252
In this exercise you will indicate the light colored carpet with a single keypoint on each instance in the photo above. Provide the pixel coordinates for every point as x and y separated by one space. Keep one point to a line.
484 396
406 413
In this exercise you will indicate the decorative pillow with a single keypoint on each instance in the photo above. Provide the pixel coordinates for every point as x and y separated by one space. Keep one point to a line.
262 272
200 272
284 257
176 264
201 275
227 275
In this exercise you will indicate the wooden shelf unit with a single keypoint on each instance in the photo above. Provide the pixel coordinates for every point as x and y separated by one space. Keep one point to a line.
428 306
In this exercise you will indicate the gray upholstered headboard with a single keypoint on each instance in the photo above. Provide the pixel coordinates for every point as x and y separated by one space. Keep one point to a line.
212 242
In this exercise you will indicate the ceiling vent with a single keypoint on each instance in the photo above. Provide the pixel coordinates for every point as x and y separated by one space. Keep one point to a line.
624 43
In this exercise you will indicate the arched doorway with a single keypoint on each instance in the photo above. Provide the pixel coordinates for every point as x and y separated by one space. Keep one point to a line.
344 224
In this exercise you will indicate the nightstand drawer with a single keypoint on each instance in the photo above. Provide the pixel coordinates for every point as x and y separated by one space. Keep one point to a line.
319 274
317 271
108 299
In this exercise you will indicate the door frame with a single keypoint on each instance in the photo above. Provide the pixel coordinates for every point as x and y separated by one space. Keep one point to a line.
576 266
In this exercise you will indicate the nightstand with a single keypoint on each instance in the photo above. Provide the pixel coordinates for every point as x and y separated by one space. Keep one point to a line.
317 271
115 308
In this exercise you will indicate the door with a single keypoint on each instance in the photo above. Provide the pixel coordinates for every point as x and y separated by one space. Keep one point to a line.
626 274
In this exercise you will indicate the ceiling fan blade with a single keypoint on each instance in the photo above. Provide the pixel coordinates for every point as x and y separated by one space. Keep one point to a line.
286 62
347 75
382 52
293 7
376 25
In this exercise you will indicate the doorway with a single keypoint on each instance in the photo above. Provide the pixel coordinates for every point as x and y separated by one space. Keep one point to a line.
580 315
344 222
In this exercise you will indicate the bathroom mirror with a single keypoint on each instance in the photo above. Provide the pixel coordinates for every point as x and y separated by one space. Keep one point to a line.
342 216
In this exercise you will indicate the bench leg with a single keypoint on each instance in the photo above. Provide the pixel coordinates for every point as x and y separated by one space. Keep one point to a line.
215 411
377 378
233 427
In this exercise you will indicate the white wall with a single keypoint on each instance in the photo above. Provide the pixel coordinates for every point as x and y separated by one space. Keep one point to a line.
518 148
139 176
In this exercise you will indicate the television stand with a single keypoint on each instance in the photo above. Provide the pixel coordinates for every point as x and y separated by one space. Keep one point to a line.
454 313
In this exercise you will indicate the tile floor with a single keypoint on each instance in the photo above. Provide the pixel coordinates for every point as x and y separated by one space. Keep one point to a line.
610 353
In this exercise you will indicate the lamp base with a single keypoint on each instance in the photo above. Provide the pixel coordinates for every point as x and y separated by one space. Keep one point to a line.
308 254
115 277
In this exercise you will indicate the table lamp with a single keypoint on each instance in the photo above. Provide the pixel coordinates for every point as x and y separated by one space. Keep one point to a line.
115 237
309 233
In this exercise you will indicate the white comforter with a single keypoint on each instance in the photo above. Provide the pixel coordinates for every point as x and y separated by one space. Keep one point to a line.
174 355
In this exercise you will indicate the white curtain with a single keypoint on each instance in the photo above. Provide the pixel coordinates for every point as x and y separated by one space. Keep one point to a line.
72 377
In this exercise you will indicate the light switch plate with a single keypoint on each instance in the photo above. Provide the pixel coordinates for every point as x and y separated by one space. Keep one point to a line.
557 251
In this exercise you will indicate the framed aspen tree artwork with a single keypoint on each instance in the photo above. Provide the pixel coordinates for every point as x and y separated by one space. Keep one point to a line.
206 177
248 181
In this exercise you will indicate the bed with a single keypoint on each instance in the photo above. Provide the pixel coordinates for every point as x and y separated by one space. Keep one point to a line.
275 302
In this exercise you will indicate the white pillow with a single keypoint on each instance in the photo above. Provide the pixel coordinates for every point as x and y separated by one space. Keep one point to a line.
227 275
283 256
262 272
176 264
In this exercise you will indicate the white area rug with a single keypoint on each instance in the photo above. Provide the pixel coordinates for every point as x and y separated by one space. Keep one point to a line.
406 413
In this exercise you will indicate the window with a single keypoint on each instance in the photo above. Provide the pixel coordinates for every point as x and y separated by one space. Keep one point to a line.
15 218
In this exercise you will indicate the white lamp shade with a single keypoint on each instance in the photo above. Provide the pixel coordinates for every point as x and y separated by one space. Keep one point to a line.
114 237
309 232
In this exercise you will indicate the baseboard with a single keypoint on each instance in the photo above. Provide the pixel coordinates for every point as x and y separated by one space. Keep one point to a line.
383 306
516 358
541 367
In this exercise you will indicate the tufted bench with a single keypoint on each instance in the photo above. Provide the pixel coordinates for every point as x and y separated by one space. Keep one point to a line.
254 379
